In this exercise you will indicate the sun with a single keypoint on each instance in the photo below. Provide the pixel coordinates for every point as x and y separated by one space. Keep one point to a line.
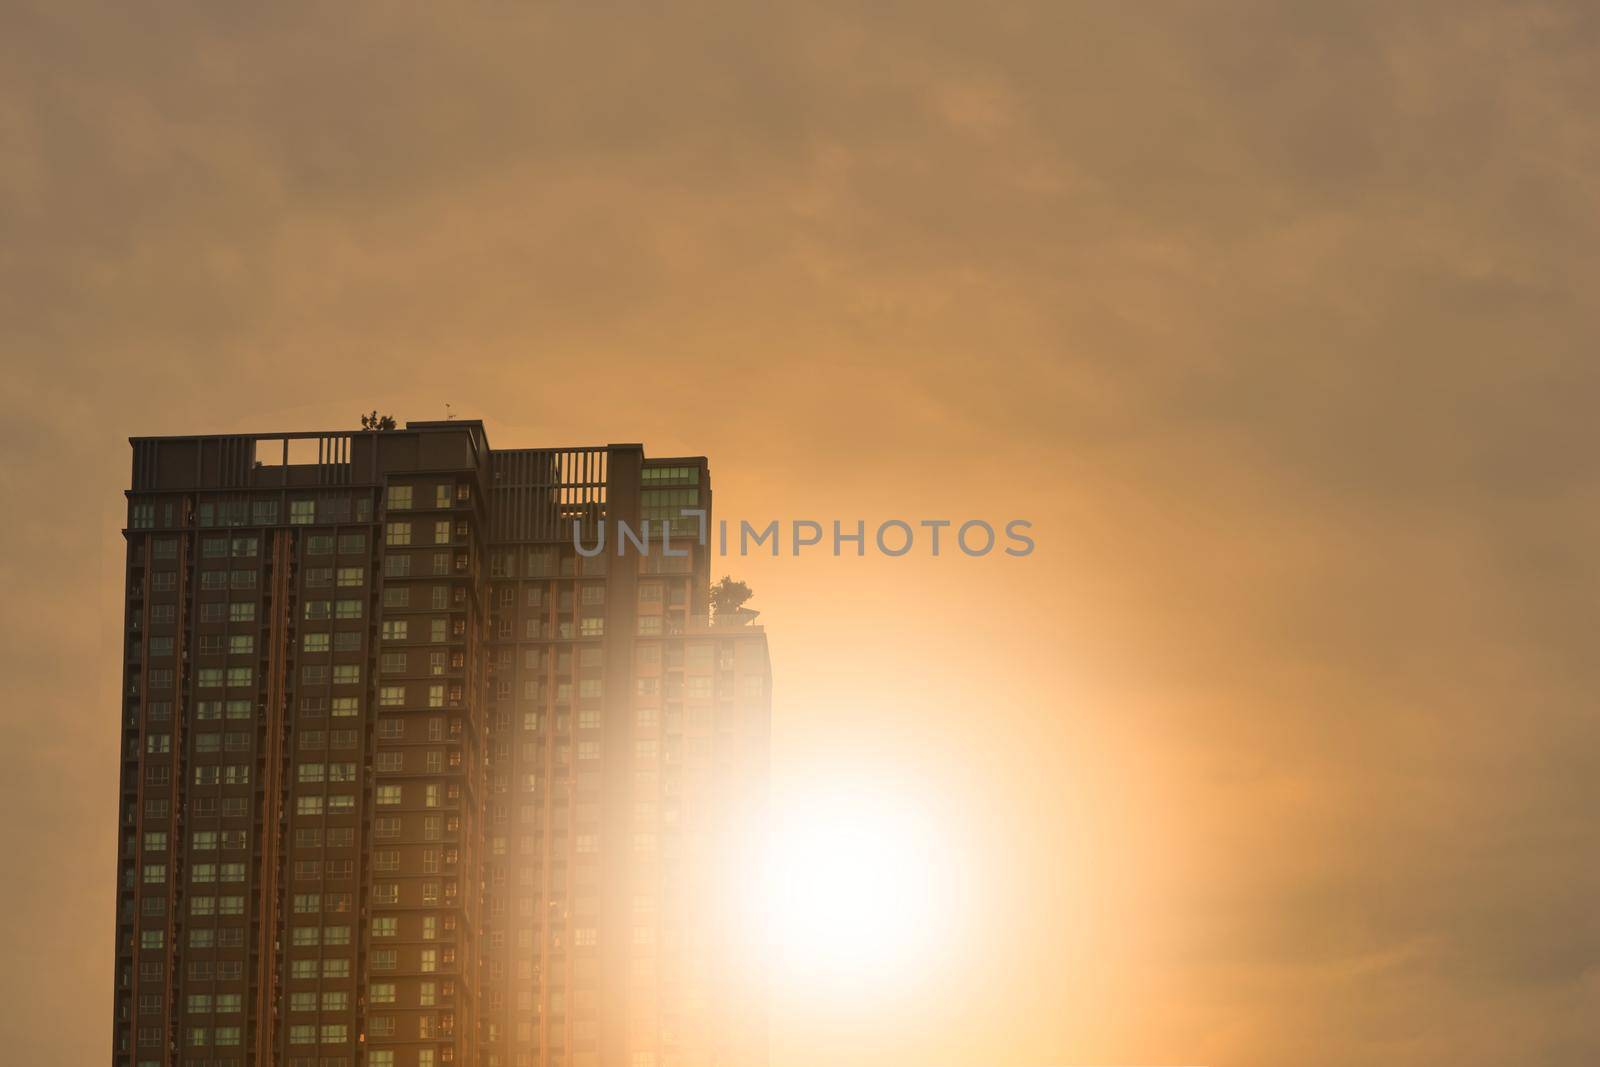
857 890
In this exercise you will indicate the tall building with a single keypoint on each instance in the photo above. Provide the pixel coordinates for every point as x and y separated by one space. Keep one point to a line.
431 755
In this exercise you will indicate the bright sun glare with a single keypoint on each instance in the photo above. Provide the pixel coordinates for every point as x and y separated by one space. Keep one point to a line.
858 890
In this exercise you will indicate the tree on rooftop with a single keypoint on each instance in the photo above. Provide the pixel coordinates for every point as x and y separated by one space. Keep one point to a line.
728 597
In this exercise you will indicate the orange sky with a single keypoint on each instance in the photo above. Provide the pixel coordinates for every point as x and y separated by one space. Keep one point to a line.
1277 320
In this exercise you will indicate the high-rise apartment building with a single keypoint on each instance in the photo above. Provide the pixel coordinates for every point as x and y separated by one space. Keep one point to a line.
416 773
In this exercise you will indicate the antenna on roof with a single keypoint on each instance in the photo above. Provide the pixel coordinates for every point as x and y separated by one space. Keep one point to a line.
448 414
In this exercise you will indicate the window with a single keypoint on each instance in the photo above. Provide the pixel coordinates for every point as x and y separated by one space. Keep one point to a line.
302 512
352 576
398 498
441 532
380 993
314 642
352 543
388 794
242 612
395 630
669 476
347 609
391 696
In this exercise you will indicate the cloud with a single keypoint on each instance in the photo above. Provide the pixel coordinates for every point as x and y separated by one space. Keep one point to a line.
1276 318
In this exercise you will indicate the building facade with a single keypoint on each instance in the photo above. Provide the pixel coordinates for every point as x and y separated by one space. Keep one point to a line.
431 755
